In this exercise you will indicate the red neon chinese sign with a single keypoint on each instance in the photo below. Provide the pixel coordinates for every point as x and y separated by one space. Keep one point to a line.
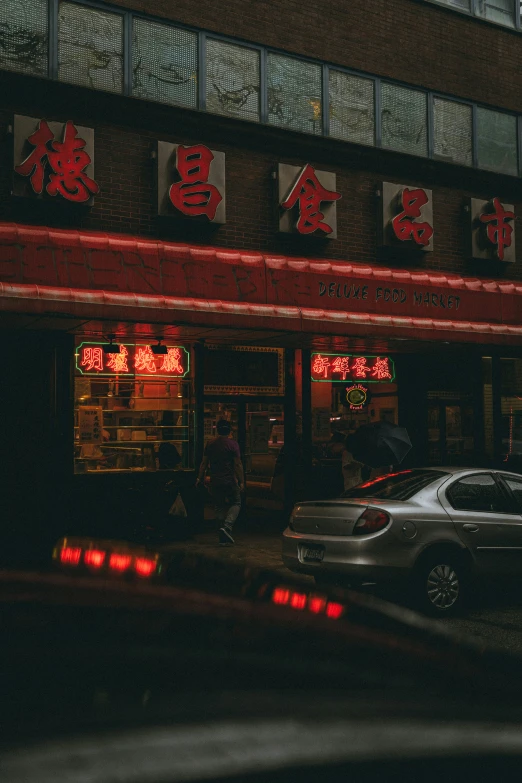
405 225
64 161
194 195
308 193
338 368
498 231
133 360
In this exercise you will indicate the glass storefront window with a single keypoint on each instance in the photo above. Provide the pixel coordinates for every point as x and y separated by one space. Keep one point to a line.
90 47
24 36
164 63
340 408
134 410
511 410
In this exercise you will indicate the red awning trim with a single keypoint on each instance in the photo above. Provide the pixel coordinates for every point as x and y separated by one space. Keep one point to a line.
107 305
96 275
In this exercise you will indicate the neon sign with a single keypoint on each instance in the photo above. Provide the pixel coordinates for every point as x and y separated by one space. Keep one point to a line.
356 397
133 360
339 368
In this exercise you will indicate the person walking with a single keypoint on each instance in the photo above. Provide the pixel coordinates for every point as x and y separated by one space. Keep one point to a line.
352 469
223 459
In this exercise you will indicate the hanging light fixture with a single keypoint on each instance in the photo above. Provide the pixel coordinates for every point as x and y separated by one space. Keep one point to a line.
111 346
159 349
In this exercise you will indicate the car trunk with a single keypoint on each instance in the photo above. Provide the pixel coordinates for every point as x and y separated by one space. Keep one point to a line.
328 517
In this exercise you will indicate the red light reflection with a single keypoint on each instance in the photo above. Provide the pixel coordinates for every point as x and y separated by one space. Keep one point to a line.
94 558
70 555
119 562
280 596
382 478
144 566
334 610
298 600
317 605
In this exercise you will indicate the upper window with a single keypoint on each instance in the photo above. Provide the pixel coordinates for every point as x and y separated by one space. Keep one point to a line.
233 81
497 141
294 94
24 36
164 63
477 493
404 119
452 131
500 11
90 47
462 5
352 115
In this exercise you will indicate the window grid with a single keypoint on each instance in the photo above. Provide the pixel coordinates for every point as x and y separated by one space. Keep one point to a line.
128 16
475 7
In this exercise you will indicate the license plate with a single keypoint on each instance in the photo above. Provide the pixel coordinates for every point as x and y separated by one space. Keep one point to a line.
313 553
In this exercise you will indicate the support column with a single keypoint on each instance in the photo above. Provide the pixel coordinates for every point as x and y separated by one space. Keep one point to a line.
307 442
290 430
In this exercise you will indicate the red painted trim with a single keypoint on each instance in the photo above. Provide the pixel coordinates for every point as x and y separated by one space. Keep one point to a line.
92 275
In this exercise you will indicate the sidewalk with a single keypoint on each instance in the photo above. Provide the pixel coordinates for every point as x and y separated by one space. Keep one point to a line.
253 548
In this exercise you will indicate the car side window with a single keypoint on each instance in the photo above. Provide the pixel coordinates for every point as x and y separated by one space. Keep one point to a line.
477 493
515 485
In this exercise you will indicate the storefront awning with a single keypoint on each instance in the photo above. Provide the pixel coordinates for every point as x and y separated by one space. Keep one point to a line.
113 277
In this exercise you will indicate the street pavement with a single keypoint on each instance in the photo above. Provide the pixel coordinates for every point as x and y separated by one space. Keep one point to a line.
495 614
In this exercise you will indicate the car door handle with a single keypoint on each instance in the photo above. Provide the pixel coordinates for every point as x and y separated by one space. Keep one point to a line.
471 528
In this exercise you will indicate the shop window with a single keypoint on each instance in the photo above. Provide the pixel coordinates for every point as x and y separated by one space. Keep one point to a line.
497 141
347 392
233 80
90 47
164 63
515 485
24 36
404 119
453 131
511 410
294 94
500 11
352 112
134 410
477 493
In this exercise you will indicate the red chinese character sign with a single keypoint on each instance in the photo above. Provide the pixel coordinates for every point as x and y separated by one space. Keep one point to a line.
492 230
340 368
132 360
191 182
407 217
54 159
307 201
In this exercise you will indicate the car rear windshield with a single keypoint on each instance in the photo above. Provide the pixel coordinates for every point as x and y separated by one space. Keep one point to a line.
395 486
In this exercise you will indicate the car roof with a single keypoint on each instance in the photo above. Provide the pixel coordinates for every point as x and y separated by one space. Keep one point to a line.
454 470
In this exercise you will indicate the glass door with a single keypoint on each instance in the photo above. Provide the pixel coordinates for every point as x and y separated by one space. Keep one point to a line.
451 438
264 454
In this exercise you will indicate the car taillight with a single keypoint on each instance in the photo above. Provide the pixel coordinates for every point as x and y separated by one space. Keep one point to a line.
144 566
371 521
312 603
94 558
119 562
70 555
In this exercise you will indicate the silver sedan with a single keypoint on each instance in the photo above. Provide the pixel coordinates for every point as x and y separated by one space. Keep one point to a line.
435 528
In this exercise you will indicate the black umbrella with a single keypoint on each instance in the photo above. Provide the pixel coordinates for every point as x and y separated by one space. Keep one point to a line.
380 444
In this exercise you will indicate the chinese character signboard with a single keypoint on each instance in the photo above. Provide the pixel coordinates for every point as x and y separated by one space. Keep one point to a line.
307 201
407 217
191 182
131 361
492 230
90 421
53 159
339 368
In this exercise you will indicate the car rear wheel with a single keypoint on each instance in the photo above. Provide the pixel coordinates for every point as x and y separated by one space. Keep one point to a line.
440 584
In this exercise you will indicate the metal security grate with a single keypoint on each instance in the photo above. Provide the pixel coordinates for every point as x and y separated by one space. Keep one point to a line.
452 123
497 141
233 80
352 115
24 36
90 47
404 119
164 63
294 94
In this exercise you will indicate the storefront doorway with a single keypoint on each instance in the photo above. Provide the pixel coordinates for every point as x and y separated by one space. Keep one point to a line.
258 426
451 438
